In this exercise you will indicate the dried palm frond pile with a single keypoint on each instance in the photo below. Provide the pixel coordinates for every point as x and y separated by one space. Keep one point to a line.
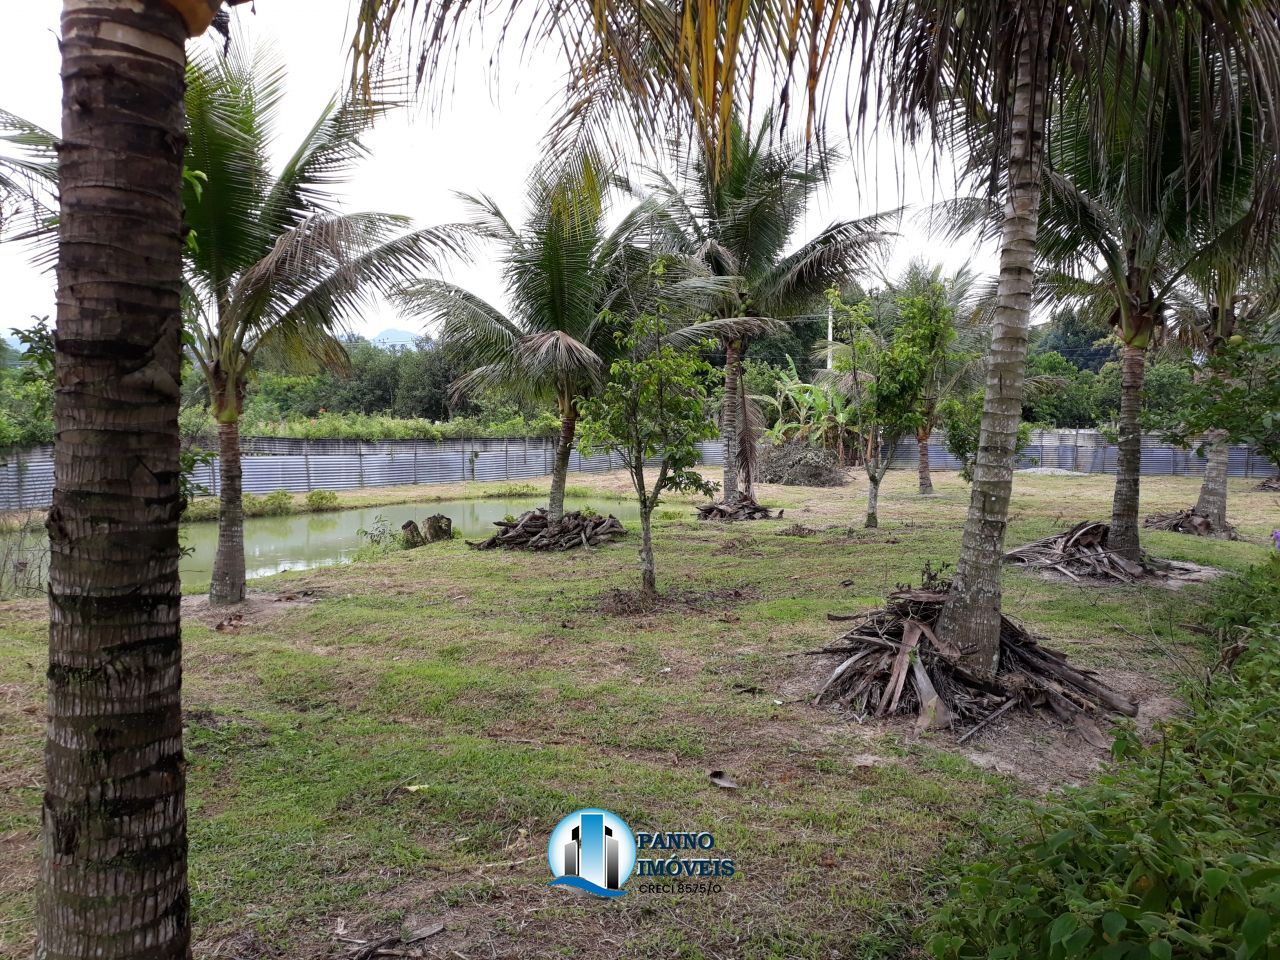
893 663
1081 553
743 508
532 531
1190 522
1269 485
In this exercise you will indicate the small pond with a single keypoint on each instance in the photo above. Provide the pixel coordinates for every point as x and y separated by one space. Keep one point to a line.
306 540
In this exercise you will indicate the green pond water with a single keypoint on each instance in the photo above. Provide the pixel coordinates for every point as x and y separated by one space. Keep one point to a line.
307 540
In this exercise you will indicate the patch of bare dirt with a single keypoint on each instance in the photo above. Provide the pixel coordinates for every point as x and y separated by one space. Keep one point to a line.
633 603
256 608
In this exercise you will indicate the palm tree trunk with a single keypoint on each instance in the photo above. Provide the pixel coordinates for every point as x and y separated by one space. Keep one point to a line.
922 452
1123 538
1212 502
113 857
227 585
560 469
729 425
971 616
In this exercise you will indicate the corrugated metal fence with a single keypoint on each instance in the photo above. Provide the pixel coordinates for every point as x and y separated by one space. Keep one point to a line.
270 463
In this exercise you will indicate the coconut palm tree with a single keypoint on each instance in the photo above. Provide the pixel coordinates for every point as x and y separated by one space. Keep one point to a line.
739 217
275 269
569 277
113 856
28 179
1003 63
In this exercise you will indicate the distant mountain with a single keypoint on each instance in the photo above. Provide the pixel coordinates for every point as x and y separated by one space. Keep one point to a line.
393 337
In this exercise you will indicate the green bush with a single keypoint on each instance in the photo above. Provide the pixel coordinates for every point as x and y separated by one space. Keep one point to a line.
1174 852
205 508
278 503
253 505
321 500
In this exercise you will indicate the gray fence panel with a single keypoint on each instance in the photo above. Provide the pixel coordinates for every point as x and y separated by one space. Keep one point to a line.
274 463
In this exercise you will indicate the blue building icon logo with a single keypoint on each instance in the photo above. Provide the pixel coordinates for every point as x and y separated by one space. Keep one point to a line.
592 850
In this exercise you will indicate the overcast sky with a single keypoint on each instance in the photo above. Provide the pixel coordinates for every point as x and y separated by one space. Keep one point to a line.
485 139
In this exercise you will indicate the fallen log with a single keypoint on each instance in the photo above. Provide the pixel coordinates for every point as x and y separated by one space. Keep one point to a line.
1082 553
892 663
533 531
743 508
1189 522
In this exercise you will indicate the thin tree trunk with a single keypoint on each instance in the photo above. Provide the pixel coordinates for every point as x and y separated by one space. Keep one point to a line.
113 857
1123 538
648 574
971 616
560 470
729 425
873 499
922 450
227 585
1212 502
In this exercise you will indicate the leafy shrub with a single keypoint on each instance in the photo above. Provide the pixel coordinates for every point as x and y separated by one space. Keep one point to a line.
1174 852
278 503
798 464
204 508
321 500
253 505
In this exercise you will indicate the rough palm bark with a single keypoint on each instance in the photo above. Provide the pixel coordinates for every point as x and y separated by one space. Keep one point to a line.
560 469
1123 537
227 584
971 616
922 465
1212 502
729 425
113 877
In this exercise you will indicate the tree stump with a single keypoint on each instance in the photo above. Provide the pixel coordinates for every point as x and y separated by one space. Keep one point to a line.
412 535
439 527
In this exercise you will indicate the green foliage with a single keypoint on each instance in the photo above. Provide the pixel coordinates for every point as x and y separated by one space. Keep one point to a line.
654 406
1174 852
1240 394
319 501
1166 390
357 426
26 389
961 419
188 460
1085 341
381 538
1066 399
279 503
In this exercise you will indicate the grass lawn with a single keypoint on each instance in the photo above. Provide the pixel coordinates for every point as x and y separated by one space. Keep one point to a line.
493 686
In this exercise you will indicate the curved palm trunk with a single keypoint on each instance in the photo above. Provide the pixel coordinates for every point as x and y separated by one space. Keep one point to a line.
560 469
1212 502
922 466
729 425
1123 538
113 857
971 616
227 585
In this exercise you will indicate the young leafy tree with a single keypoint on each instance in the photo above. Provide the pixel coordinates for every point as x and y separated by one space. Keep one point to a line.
655 406
275 269
885 378
113 852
